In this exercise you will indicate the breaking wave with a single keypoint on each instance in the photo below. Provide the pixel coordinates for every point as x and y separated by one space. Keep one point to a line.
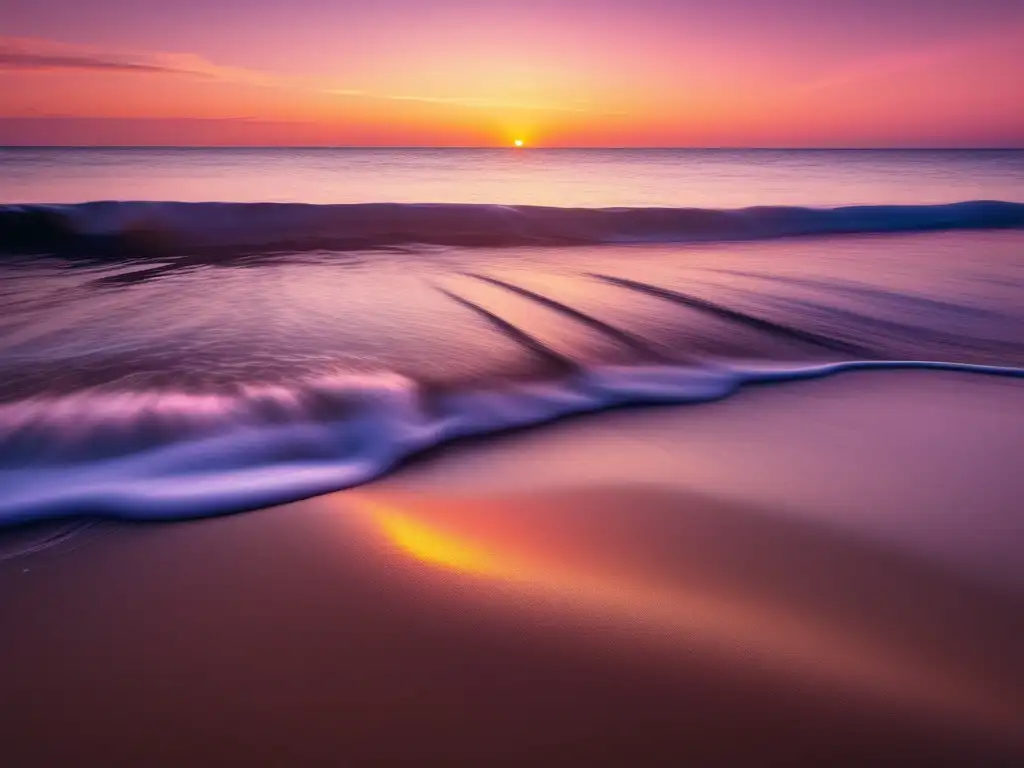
172 455
115 229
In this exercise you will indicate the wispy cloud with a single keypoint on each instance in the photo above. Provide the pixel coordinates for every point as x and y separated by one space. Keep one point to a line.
19 60
485 103
577 105
34 54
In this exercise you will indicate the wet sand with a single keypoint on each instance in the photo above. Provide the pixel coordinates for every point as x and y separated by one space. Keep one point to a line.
823 572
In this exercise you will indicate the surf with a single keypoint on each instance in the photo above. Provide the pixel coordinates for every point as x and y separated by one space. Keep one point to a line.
130 229
170 455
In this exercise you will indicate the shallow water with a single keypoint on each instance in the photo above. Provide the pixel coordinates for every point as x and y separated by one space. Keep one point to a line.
172 359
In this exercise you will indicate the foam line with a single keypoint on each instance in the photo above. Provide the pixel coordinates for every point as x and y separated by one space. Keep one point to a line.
218 455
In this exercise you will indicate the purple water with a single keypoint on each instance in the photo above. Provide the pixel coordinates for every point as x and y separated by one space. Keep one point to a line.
161 359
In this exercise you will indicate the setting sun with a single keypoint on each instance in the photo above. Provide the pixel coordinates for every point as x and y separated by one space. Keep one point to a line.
518 142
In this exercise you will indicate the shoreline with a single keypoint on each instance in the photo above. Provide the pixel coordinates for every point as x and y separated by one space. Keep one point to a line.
824 571
398 429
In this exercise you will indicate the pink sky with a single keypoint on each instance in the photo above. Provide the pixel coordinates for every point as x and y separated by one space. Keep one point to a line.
458 73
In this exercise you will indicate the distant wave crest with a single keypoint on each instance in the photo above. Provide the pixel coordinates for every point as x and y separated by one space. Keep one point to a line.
115 229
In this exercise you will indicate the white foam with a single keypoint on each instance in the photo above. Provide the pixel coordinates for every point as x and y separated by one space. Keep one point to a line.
175 455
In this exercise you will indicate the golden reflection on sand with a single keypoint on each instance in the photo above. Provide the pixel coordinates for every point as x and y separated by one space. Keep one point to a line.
778 637
431 545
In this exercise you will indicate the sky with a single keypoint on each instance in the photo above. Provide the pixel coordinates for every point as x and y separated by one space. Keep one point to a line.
608 73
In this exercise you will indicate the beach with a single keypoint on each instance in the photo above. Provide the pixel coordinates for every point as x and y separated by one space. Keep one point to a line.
460 456
458 383
819 572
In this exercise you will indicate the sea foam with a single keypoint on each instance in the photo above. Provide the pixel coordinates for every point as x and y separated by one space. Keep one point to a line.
166 455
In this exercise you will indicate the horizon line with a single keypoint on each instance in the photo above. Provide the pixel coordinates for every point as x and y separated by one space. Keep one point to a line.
936 148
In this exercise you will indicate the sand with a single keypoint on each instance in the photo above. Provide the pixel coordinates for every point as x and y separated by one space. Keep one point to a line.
822 572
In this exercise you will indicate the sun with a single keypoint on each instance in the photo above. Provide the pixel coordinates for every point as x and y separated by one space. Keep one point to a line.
518 142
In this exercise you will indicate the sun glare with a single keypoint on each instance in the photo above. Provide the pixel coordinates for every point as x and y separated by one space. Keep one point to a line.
431 545
518 142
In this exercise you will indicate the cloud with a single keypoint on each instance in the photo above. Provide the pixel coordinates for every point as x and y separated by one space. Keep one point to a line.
34 54
474 102
23 60
577 104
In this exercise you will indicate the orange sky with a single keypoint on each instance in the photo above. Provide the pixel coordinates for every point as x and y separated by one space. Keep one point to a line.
451 73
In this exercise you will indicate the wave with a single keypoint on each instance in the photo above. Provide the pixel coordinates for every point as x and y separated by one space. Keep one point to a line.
172 455
114 229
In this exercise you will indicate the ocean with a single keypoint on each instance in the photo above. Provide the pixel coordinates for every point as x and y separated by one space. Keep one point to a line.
190 332
639 178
